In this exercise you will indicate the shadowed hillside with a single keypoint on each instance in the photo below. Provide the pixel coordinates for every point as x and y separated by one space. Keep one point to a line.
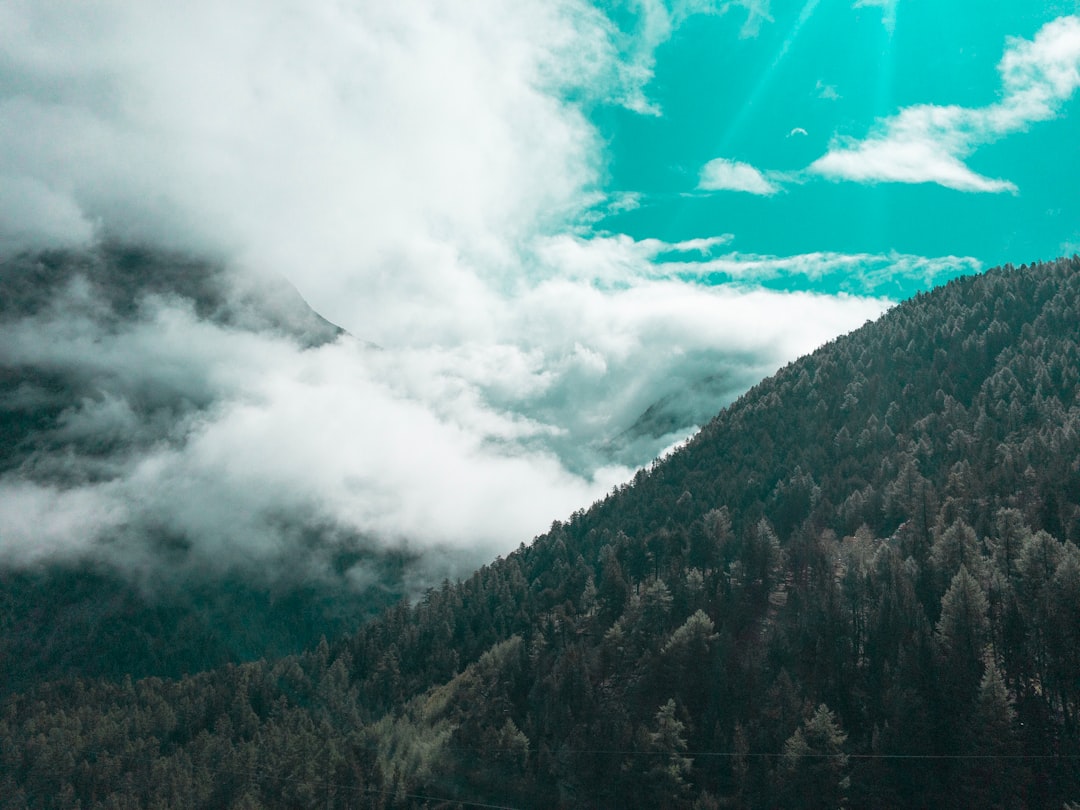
69 420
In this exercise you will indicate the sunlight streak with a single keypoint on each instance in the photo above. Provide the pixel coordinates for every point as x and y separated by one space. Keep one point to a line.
766 79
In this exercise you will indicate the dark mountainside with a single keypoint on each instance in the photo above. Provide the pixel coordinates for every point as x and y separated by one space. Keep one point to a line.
81 615
859 584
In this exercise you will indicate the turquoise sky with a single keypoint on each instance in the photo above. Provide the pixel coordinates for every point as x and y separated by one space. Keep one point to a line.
776 90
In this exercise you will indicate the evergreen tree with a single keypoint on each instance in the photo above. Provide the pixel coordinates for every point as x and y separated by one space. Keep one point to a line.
813 769
991 776
666 779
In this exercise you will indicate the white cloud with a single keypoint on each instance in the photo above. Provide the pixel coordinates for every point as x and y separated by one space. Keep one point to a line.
613 260
474 446
922 144
721 174
856 273
929 143
362 150
757 13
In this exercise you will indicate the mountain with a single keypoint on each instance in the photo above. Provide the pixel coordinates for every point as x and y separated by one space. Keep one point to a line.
139 536
858 585
81 403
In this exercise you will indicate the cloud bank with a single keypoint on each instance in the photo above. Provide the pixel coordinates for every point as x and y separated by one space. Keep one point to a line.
425 176
237 444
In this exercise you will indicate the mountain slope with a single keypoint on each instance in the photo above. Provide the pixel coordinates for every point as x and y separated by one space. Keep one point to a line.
83 401
860 583
946 435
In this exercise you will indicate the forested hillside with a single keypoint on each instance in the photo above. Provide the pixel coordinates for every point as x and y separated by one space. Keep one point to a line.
859 584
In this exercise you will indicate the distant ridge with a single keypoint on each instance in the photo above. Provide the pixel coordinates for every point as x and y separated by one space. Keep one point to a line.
65 617
123 275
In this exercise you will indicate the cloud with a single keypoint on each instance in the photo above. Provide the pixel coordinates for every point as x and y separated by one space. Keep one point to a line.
929 143
612 260
887 274
797 131
240 446
424 175
826 91
757 12
34 216
916 149
186 442
357 149
721 174
651 24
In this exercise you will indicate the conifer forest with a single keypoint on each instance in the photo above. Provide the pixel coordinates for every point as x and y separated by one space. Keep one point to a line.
857 586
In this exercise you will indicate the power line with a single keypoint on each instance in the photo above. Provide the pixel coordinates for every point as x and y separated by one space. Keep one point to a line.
747 754
257 775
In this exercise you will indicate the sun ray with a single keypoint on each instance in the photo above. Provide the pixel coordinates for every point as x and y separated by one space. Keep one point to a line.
877 203
767 77
682 210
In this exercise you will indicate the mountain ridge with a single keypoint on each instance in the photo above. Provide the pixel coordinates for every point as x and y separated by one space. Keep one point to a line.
859 583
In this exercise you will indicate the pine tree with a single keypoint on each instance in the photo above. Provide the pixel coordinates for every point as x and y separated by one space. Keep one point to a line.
813 769
962 634
665 780
963 625
991 776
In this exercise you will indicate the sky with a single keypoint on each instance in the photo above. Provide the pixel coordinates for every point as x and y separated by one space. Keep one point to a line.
928 129
547 215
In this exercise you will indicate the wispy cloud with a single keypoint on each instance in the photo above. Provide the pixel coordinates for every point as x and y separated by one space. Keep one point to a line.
929 143
757 13
721 174
654 22
826 91
618 260
877 274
